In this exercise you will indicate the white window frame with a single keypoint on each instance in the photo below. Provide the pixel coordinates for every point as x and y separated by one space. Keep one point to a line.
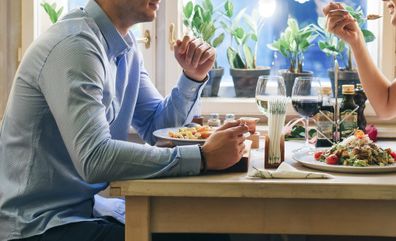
171 13
35 20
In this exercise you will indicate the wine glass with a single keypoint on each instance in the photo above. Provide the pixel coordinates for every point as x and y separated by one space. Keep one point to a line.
268 87
306 100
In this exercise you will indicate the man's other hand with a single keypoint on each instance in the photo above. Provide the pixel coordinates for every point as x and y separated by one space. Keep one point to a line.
225 147
195 56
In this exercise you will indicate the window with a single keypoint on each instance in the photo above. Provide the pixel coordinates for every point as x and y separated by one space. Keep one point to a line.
382 50
274 14
165 71
32 10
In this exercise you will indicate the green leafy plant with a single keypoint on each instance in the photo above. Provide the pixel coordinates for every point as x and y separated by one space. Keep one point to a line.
333 46
52 11
243 30
201 19
293 43
298 132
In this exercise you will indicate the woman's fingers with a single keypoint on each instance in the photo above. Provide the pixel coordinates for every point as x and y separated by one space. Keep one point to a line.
330 7
333 21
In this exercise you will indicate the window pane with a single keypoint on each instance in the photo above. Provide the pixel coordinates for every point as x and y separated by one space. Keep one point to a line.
76 4
275 15
68 6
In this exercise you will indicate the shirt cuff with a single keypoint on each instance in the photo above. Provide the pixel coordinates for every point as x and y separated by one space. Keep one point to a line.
189 87
190 160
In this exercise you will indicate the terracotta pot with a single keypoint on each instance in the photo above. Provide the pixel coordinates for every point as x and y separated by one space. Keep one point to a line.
245 80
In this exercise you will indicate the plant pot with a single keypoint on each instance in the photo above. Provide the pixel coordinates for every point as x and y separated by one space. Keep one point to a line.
211 88
291 77
245 80
345 77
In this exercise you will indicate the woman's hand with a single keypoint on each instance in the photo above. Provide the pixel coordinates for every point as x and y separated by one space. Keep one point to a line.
225 147
342 24
195 57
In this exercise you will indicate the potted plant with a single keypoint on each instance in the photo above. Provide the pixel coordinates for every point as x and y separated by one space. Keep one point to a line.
242 59
292 44
335 47
201 20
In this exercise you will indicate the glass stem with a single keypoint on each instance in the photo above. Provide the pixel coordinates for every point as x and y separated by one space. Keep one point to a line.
306 120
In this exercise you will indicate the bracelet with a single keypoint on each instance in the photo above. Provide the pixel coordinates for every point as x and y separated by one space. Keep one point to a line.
204 164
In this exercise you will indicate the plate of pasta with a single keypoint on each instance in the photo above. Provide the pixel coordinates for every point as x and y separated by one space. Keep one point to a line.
184 135
356 154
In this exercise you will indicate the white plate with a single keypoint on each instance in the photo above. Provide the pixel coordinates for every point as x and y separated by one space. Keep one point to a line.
164 135
307 159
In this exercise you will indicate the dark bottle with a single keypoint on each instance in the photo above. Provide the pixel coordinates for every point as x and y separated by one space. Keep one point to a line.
348 112
360 99
325 120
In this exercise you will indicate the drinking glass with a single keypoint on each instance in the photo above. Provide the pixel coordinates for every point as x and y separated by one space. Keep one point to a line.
306 100
268 87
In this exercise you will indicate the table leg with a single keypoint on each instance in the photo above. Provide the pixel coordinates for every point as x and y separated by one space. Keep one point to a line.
137 219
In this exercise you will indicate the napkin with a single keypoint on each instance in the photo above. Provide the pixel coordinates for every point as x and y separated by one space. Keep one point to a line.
112 207
286 171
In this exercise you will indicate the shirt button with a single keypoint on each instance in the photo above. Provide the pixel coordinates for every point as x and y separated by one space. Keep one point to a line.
193 89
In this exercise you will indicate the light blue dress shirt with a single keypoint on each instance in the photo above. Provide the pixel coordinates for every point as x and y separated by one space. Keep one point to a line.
63 136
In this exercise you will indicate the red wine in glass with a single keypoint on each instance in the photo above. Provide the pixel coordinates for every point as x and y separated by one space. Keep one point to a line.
306 100
307 107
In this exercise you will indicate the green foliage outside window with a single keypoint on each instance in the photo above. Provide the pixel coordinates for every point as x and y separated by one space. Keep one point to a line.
52 11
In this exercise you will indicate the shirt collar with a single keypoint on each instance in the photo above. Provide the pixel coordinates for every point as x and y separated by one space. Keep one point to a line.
117 45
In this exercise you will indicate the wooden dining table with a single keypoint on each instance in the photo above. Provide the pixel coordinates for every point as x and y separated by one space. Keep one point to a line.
347 204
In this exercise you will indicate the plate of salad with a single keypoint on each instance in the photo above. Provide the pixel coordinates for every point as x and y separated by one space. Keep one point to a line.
356 154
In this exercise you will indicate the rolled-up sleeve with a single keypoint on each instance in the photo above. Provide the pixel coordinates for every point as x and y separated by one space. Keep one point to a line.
72 82
154 112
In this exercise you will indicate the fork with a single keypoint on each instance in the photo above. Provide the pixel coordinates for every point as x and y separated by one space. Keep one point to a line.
368 17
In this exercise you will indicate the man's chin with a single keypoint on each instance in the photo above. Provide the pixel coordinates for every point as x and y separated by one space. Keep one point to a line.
149 17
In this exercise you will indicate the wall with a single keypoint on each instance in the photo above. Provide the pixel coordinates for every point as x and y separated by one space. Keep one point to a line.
10 41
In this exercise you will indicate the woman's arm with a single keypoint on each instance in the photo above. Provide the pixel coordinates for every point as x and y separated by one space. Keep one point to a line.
380 91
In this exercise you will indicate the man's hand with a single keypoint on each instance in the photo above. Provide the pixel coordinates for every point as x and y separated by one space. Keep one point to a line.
342 24
195 57
225 147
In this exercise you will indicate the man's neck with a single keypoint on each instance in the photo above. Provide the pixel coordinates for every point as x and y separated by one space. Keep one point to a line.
121 23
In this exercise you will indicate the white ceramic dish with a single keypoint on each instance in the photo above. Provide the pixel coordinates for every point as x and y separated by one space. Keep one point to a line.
307 159
164 135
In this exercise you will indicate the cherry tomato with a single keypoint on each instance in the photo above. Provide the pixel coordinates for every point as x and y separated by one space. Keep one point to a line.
318 155
203 129
393 154
332 160
205 134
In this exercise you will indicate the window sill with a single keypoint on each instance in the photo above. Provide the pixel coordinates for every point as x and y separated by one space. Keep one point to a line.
247 107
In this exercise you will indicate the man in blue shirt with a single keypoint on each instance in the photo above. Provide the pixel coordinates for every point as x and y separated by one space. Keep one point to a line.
79 88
